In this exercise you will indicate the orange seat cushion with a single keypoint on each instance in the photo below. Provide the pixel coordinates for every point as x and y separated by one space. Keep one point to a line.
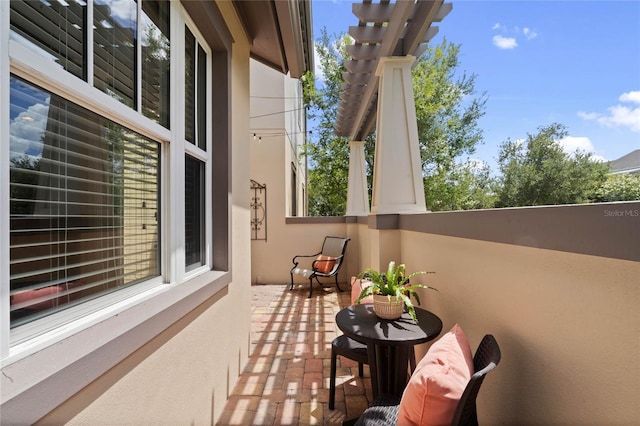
324 264
437 384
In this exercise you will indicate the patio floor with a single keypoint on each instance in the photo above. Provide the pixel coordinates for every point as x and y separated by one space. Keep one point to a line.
286 380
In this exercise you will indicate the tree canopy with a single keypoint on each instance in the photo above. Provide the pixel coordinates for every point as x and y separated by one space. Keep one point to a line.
619 187
328 153
537 171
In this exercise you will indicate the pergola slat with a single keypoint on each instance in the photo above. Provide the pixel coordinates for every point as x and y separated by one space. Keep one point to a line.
384 29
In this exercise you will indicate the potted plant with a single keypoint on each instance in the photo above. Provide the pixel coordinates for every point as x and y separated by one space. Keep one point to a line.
392 290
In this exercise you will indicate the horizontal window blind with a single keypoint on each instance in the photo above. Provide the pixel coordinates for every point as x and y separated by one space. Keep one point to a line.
114 44
155 61
57 28
84 195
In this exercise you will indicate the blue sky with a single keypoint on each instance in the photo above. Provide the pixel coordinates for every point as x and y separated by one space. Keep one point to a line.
540 62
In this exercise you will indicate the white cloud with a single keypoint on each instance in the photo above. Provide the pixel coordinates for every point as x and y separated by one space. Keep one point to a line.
26 131
630 97
529 33
122 11
622 116
570 144
509 41
618 115
588 115
504 42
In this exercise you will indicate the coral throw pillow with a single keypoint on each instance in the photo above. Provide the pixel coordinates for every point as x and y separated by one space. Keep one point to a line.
324 263
356 287
435 387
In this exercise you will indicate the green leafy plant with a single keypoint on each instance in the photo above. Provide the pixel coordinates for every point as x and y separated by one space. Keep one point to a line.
394 282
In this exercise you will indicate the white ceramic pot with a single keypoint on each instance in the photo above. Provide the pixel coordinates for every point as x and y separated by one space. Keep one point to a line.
388 307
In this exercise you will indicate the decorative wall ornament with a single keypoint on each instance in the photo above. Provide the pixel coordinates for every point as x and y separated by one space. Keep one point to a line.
258 211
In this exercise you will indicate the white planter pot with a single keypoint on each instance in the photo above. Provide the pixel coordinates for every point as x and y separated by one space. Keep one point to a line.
388 307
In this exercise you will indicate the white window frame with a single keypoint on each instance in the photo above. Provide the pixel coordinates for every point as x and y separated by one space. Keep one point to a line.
116 324
196 152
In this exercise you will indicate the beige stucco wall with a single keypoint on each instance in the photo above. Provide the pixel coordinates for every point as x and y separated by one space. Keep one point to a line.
275 106
568 326
185 374
271 261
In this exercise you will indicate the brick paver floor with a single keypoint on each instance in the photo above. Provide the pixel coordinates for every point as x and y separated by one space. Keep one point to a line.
286 380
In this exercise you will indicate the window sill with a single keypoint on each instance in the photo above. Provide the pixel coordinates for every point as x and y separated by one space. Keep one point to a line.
56 365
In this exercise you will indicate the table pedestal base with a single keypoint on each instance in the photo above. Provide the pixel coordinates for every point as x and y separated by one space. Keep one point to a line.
386 365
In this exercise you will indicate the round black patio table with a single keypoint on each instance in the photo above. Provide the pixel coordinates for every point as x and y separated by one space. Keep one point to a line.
388 342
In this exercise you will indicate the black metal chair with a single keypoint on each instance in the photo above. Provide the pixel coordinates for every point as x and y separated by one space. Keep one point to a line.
348 348
384 409
327 266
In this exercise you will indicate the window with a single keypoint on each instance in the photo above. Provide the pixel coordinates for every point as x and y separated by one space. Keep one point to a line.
55 29
85 208
115 39
195 91
106 212
155 61
194 207
84 197
195 134
58 30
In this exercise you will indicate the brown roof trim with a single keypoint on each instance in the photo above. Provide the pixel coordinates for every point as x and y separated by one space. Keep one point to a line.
280 32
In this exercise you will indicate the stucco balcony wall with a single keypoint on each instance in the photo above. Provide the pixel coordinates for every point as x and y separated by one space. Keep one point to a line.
558 286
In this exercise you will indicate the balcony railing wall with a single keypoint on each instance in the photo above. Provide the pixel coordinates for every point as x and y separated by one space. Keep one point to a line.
559 287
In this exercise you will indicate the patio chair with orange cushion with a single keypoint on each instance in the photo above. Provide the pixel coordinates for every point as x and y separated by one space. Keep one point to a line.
326 263
444 387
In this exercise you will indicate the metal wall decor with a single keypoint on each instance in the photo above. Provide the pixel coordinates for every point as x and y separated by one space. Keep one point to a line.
258 211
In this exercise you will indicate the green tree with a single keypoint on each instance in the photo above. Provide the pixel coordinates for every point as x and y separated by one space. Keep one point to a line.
328 154
447 111
538 172
23 178
447 115
465 186
619 187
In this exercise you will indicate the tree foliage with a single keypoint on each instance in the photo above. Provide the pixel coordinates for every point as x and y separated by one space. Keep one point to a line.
328 153
619 187
538 172
465 186
447 112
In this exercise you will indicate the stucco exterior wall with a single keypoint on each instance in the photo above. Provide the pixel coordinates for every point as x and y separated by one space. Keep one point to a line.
277 117
185 374
558 286
567 324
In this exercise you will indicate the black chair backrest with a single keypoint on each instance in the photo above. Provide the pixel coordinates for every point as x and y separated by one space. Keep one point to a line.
334 246
486 358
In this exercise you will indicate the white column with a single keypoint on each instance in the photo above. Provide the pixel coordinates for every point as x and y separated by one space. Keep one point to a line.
397 173
357 193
